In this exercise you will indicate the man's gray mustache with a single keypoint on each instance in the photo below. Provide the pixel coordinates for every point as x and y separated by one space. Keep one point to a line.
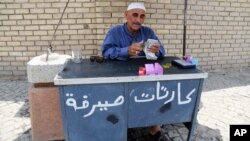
137 24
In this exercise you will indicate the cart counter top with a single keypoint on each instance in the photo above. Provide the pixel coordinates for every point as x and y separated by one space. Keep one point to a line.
109 71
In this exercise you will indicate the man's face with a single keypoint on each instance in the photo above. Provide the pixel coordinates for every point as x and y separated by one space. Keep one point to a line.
135 18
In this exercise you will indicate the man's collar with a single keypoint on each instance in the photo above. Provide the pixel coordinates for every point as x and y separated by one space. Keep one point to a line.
125 27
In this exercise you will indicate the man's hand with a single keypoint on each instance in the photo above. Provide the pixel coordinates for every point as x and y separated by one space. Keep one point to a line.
154 48
135 48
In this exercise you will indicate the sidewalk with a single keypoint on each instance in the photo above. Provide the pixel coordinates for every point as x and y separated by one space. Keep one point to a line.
225 98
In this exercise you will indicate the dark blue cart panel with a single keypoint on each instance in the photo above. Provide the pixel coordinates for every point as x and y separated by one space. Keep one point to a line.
94 112
162 102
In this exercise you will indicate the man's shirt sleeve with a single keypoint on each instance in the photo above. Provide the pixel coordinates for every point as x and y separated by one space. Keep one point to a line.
111 48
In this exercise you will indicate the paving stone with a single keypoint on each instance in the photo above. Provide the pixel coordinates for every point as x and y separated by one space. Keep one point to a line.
173 133
177 139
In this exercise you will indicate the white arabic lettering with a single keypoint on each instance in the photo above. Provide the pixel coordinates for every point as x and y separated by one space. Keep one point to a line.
72 102
144 100
187 97
158 97
171 99
117 102
159 89
85 104
161 93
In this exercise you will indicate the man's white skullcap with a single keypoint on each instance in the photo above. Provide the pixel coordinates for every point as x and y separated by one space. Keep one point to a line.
138 5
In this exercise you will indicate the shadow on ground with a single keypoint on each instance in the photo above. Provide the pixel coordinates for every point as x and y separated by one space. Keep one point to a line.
178 132
222 79
24 110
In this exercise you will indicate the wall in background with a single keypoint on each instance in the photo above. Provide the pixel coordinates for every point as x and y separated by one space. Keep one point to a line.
218 31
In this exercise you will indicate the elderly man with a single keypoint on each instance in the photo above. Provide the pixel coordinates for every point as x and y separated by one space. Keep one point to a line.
126 40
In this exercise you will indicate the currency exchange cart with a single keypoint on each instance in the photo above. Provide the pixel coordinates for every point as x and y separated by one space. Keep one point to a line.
100 101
